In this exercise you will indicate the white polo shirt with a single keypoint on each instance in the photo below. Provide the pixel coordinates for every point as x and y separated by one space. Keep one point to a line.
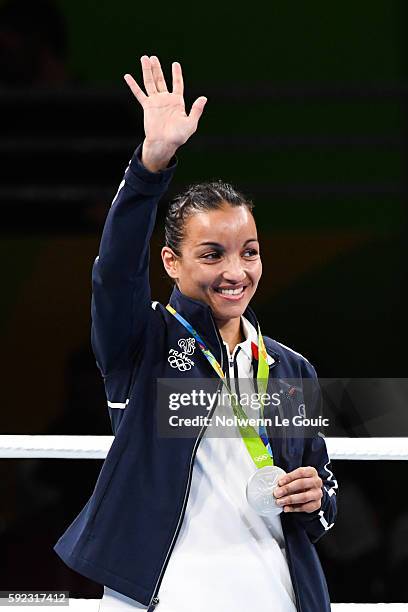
226 557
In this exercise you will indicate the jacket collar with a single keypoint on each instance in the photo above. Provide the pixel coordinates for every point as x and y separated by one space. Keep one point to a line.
199 315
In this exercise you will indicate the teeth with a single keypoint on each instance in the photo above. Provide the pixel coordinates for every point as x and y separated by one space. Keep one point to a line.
231 291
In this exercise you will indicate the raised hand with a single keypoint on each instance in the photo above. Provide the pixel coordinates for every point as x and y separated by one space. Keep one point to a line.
166 124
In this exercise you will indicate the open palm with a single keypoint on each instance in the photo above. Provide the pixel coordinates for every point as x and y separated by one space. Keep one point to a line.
165 119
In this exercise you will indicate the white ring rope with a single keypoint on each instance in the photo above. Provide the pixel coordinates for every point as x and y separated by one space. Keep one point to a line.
97 447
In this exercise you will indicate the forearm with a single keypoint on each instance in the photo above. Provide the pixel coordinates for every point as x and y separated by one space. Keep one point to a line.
320 521
121 298
129 225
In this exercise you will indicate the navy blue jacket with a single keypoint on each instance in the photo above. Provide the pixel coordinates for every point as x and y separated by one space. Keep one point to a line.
124 535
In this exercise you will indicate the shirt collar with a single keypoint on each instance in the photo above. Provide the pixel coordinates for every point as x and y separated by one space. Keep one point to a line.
251 337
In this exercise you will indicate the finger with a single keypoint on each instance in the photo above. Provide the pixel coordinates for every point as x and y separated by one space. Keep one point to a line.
300 472
197 109
309 507
136 90
178 83
148 75
158 74
301 484
301 498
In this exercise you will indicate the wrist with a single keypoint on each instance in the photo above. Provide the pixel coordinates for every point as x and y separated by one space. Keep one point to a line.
156 155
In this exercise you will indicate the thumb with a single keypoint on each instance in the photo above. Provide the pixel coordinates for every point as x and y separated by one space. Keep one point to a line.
197 109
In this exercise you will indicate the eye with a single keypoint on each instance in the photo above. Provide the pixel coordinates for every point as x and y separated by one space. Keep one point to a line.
251 252
208 255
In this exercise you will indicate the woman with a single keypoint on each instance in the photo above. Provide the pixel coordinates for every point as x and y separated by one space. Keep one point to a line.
170 524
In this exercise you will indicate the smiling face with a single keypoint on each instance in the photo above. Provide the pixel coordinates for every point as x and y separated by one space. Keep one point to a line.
220 250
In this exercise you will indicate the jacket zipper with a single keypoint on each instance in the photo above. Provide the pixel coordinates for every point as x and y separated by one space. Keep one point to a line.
232 368
236 374
155 600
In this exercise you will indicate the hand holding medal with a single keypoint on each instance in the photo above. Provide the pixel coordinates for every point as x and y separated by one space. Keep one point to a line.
299 490
260 490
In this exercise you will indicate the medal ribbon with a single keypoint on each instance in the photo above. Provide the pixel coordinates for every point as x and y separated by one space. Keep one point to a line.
254 442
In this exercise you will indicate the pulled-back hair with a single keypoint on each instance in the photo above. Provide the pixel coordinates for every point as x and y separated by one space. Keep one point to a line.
199 197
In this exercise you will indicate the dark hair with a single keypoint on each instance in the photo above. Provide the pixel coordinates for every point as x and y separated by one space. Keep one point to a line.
199 197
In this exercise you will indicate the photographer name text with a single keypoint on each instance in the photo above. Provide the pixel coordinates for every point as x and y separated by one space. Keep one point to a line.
234 421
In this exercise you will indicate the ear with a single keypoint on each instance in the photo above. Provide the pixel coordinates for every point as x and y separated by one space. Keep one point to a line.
170 262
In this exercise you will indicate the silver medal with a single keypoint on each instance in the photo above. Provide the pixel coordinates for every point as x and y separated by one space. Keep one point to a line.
259 490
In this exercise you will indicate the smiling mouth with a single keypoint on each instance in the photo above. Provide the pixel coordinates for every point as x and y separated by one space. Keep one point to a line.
231 293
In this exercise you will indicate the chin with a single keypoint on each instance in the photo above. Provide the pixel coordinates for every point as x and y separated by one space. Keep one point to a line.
229 312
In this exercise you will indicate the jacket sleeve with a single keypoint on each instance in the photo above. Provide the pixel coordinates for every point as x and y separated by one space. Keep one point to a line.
318 522
121 299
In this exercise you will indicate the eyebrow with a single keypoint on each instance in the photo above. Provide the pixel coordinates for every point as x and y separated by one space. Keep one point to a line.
217 244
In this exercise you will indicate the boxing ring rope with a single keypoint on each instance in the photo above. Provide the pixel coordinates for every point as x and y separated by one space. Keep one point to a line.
97 447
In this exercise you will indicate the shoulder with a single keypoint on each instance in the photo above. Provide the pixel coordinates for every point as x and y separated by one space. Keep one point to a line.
288 358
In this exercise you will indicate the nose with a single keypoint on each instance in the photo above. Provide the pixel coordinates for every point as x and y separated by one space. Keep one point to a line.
234 270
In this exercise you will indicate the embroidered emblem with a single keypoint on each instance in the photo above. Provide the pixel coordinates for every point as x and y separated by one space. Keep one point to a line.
179 359
187 345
